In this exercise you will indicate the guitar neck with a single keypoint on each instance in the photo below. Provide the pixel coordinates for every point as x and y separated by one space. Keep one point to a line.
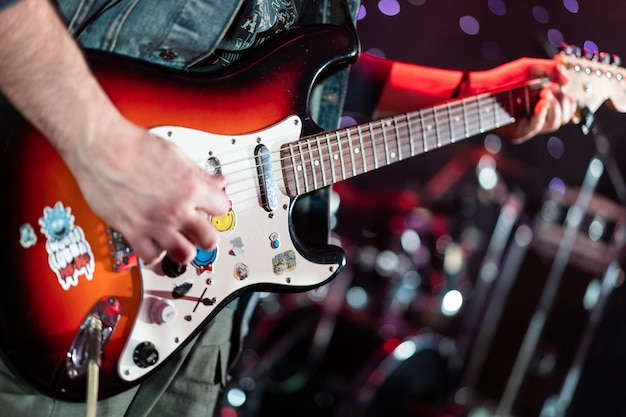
320 160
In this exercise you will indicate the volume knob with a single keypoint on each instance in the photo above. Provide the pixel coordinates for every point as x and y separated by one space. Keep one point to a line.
145 355
172 269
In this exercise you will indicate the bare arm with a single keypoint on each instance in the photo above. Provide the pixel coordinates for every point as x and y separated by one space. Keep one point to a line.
159 202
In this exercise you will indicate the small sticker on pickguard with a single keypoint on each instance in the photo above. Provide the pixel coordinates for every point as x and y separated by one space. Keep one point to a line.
69 253
28 237
238 245
204 260
284 262
241 271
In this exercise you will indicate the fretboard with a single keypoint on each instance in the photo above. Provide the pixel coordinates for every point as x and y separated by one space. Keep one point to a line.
317 161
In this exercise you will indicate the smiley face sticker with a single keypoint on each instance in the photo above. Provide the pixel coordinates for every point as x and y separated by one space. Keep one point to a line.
226 222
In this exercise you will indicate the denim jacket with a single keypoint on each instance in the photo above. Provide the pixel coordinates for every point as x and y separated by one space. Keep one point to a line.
176 33
182 33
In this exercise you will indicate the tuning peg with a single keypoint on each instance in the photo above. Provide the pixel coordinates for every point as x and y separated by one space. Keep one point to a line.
592 56
616 60
604 58
571 50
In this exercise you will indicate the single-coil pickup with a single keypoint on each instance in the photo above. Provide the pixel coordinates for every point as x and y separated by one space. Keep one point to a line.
267 184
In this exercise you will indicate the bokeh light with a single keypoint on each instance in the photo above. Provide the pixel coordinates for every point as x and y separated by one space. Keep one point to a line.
469 25
389 7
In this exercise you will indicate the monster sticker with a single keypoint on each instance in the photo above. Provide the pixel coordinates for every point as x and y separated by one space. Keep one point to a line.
69 253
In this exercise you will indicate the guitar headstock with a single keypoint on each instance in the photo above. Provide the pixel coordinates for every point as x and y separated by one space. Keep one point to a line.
594 78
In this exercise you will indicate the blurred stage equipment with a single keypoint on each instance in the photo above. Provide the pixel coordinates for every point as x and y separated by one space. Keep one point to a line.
539 305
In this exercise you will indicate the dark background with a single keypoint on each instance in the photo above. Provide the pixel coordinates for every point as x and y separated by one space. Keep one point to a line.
316 354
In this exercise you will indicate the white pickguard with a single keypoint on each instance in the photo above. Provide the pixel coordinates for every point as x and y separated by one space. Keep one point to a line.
247 246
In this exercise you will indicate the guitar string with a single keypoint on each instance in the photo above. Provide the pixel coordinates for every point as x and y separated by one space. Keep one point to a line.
455 111
242 201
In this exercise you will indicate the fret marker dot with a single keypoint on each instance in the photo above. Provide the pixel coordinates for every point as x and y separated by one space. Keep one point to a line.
356 150
299 168
335 156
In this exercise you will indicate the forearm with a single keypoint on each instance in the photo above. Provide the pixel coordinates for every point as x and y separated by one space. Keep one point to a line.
410 87
42 70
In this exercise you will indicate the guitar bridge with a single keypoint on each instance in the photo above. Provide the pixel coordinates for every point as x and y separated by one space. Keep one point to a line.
123 256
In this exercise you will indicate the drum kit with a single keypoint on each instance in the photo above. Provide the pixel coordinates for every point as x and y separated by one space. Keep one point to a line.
498 312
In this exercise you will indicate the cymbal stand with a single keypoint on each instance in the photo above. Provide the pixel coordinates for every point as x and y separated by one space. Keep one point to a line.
611 276
572 225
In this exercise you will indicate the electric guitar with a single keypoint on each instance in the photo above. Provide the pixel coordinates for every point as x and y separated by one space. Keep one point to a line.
63 266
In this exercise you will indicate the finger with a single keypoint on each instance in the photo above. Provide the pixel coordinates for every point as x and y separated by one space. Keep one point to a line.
569 106
177 246
147 249
211 198
558 75
201 232
554 113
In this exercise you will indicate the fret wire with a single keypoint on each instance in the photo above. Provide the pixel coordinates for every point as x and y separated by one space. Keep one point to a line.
424 139
341 161
410 132
511 103
405 136
303 167
331 158
475 119
429 120
312 164
351 150
363 159
398 141
527 96
481 123
451 123
436 122
496 111
484 121
445 128
464 109
320 153
295 169
373 141
386 145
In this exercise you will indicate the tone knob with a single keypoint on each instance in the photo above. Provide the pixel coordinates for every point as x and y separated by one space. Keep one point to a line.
163 312
145 355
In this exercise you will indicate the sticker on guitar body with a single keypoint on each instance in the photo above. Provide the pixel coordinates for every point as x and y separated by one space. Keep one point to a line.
69 253
284 262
